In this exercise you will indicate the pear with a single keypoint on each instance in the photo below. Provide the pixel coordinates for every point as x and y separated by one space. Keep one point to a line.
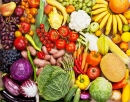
7 9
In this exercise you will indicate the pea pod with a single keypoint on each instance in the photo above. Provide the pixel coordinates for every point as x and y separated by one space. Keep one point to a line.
30 39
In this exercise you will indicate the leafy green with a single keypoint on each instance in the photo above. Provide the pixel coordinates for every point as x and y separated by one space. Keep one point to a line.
53 83
100 89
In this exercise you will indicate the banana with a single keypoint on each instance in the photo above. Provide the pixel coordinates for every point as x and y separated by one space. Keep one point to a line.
60 7
119 22
101 2
108 26
104 21
97 11
101 15
124 20
94 17
114 24
96 6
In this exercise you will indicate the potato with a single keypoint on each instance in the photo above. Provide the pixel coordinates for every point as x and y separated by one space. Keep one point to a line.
39 71
60 53
53 51
40 62
32 50
47 57
44 50
52 60
24 54
58 61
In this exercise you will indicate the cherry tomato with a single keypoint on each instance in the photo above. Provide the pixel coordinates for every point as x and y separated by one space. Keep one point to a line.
116 38
40 55
73 36
20 43
33 11
93 72
124 46
63 31
70 47
34 3
60 44
53 35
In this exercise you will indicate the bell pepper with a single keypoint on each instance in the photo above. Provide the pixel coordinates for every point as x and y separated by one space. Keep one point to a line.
122 83
94 58
24 27
34 3
83 81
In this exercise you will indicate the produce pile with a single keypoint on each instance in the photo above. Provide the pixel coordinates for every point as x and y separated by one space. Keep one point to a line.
65 51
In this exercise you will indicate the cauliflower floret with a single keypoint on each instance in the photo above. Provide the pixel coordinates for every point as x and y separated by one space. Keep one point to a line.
79 20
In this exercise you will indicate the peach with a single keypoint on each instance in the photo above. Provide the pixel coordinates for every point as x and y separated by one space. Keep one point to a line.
47 9
7 9
127 14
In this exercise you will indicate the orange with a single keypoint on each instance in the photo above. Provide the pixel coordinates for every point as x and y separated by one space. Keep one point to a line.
118 6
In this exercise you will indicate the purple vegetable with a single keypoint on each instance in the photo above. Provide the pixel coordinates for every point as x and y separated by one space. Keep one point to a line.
12 87
21 70
84 95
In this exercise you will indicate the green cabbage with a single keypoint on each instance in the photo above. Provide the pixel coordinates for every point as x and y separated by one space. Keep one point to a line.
100 89
53 83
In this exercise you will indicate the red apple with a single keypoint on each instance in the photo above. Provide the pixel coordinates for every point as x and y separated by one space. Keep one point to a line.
93 72
19 11
48 8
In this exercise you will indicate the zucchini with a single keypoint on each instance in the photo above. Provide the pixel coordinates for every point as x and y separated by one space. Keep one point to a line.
70 94
77 95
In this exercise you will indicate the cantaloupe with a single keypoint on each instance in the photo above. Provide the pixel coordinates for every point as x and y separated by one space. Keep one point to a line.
113 67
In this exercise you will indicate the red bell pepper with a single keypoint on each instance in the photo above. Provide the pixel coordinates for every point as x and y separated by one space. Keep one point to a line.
34 3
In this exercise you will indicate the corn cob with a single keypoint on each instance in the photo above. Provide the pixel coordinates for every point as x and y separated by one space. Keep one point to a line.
115 49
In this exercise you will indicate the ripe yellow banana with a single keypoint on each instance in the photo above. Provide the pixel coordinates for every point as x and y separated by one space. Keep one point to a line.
114 24
119 22
101 2
96 6
97 11
101 15
104 21
60 7
109 25
124 20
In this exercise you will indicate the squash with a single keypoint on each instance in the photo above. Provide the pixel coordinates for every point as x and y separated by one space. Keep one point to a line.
113 67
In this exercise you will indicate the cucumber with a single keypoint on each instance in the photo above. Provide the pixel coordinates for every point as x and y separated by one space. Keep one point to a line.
77 95
70 94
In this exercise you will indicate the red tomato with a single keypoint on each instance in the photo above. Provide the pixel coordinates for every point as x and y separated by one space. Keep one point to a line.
53 35
60 44
25 27
73 36
40 55
20 43
64 31
34 3
70 47
93 72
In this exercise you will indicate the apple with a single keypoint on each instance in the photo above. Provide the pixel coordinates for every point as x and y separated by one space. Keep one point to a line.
94 26
48 8
19 11
93 72
125 28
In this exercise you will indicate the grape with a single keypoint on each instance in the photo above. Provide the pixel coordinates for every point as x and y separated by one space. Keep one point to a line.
89 3
5 1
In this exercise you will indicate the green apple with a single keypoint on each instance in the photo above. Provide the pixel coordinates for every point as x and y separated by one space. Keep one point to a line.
125 28
94 26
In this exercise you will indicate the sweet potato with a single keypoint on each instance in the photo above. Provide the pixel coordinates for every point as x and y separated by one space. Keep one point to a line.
40 62
52 60
60 53
32 50
24 54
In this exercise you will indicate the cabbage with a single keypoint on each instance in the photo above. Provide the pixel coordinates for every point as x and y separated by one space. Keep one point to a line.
53 83
100 89
21 70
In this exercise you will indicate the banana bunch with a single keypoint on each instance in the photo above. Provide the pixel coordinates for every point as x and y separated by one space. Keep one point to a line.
102 44
103 15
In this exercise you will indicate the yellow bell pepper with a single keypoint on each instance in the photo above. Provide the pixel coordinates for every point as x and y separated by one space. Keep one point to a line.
83 81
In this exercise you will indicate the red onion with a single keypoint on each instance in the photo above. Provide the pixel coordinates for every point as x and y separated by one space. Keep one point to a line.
84 95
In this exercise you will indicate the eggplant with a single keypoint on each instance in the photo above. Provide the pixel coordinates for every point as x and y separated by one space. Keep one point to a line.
12 87
10 98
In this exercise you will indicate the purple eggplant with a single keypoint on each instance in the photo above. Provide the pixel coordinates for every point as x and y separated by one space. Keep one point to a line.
12 87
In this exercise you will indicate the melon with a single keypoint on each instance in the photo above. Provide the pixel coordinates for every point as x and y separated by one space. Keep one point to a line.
112 67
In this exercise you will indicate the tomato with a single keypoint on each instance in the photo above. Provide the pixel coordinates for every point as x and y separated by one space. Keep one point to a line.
93 72
53 35
73 36
34 3
124 46
24 27
20 43
40 55
70 47
63 31
60 44
116 38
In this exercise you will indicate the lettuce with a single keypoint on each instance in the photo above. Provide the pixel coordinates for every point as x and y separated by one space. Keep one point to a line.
53 83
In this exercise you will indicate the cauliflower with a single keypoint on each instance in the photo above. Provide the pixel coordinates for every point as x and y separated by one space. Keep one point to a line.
79 20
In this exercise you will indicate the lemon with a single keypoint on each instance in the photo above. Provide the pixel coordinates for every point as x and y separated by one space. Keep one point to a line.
98 33
125 37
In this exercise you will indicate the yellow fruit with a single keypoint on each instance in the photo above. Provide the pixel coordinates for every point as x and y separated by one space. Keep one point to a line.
128 52
98 33
127 14
18 33
125 37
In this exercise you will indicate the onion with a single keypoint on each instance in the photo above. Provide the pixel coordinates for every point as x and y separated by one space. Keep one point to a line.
116 95
84 95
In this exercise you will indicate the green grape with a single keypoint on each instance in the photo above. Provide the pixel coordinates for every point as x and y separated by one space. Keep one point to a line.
87 10
74 2
86 1
64 3
84 8
67 3
76 5
71 2
84 4
77 8
93 2
80 0
89 3
66 0
80 5
60 0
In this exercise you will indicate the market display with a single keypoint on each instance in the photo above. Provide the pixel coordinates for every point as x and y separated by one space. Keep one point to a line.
65 51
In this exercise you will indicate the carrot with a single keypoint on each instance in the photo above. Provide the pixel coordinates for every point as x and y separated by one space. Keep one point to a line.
86 67
80 51
84 55
75 54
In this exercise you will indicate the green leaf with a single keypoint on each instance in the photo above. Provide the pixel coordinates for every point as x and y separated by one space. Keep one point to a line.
39 17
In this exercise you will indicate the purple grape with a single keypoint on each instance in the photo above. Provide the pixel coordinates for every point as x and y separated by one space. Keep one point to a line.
5 1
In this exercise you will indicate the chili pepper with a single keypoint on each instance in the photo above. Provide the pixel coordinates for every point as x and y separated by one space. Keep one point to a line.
31 61
94 58
30 39
80 59
78 66
122 83
83 81
76 70
34 3
40 55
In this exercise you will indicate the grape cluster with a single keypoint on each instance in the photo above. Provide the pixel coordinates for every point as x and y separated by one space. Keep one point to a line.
7 57
7 1
7 29
79 4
